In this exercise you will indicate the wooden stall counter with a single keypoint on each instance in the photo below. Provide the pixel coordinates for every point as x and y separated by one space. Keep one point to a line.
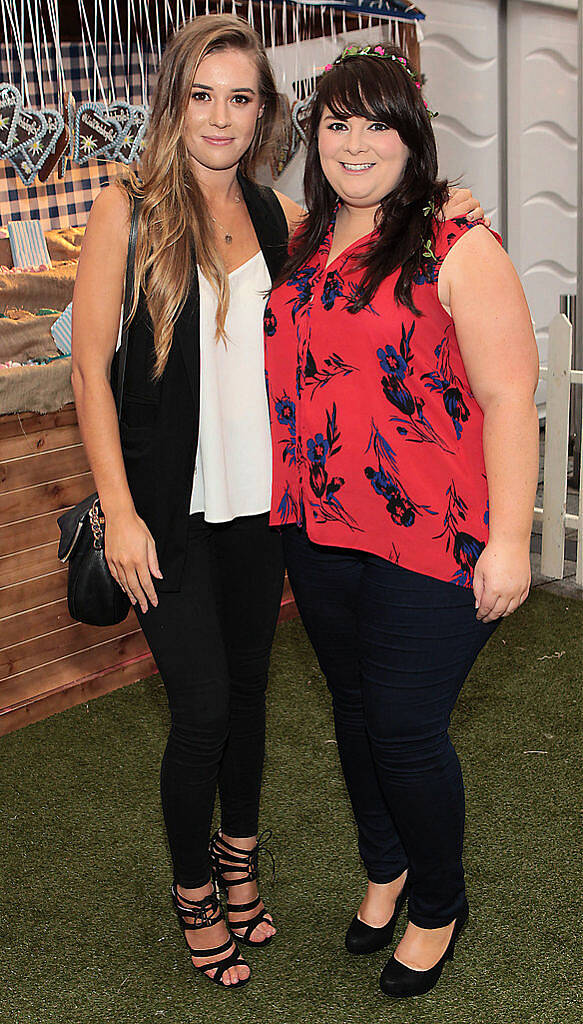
48 662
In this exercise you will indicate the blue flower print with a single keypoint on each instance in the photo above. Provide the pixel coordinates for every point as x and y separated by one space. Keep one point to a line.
400 511
391 362
269 322
465 549
397 367
318 449
331 367
286 411
354 299
398 394
456 408
385 481
327 507
301 281
332 289
286 414
445 380
287 508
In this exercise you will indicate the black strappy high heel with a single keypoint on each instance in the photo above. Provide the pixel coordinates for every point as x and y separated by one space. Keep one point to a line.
227 859
205 913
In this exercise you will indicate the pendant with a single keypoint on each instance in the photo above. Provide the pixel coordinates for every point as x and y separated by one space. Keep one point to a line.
228 238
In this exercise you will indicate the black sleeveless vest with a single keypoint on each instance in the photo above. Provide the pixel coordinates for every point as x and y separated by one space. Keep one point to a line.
159 422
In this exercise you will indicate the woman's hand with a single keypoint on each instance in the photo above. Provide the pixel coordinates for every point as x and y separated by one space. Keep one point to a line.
501 580
462 203
130 551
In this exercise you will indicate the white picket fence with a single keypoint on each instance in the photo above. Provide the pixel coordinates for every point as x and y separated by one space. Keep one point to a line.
553 515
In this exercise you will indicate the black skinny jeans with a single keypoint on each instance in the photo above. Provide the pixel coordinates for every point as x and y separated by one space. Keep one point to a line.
211 641
395 647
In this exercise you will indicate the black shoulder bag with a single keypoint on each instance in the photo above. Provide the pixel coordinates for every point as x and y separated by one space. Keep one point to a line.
93 596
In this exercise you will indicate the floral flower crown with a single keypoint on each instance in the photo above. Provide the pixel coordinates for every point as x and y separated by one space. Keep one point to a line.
378 50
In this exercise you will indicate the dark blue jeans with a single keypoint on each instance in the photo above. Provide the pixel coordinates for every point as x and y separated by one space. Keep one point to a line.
395 647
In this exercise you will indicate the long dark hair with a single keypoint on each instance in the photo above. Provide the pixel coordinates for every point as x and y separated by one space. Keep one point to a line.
379 89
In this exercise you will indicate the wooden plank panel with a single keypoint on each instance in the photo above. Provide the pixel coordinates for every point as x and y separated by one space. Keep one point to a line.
28 533
70 639
38 622
31 501
41 441
41 468
44 678
26 565
31 422
33 593
34 622
77 692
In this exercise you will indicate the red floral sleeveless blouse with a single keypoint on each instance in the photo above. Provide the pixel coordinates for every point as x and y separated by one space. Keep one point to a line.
377 438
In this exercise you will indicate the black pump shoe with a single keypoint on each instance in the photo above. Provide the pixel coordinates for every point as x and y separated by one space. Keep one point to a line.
400 981
364 938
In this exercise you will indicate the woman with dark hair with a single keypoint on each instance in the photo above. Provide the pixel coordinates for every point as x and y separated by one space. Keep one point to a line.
401 371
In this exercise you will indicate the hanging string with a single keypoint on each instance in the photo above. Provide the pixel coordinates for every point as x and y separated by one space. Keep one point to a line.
158 39
121 51
48 59
22 44
6 46
271 27
138 50
35 36
97 80
261 7
105 39
17 35
128 51
167 15
150 37
84 45
109 50
55 29
251 14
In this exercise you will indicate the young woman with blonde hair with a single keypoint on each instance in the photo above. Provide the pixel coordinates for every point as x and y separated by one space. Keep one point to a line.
185 479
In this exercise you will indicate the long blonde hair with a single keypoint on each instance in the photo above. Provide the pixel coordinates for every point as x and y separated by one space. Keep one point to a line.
174 220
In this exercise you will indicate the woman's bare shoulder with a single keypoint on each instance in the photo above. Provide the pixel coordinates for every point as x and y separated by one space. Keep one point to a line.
110 213
293 211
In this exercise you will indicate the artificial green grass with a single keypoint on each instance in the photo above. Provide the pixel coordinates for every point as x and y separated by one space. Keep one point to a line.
87 932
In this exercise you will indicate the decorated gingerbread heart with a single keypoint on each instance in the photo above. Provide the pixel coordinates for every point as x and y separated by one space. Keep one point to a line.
132 142
96 134
30 127
10 108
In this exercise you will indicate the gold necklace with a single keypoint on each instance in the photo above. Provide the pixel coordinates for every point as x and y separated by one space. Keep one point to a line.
228 235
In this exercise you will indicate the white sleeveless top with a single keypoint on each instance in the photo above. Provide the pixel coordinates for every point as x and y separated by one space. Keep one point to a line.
232 474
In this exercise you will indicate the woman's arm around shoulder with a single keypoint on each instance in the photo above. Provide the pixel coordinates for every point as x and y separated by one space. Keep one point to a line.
293 212
97 302
480 287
